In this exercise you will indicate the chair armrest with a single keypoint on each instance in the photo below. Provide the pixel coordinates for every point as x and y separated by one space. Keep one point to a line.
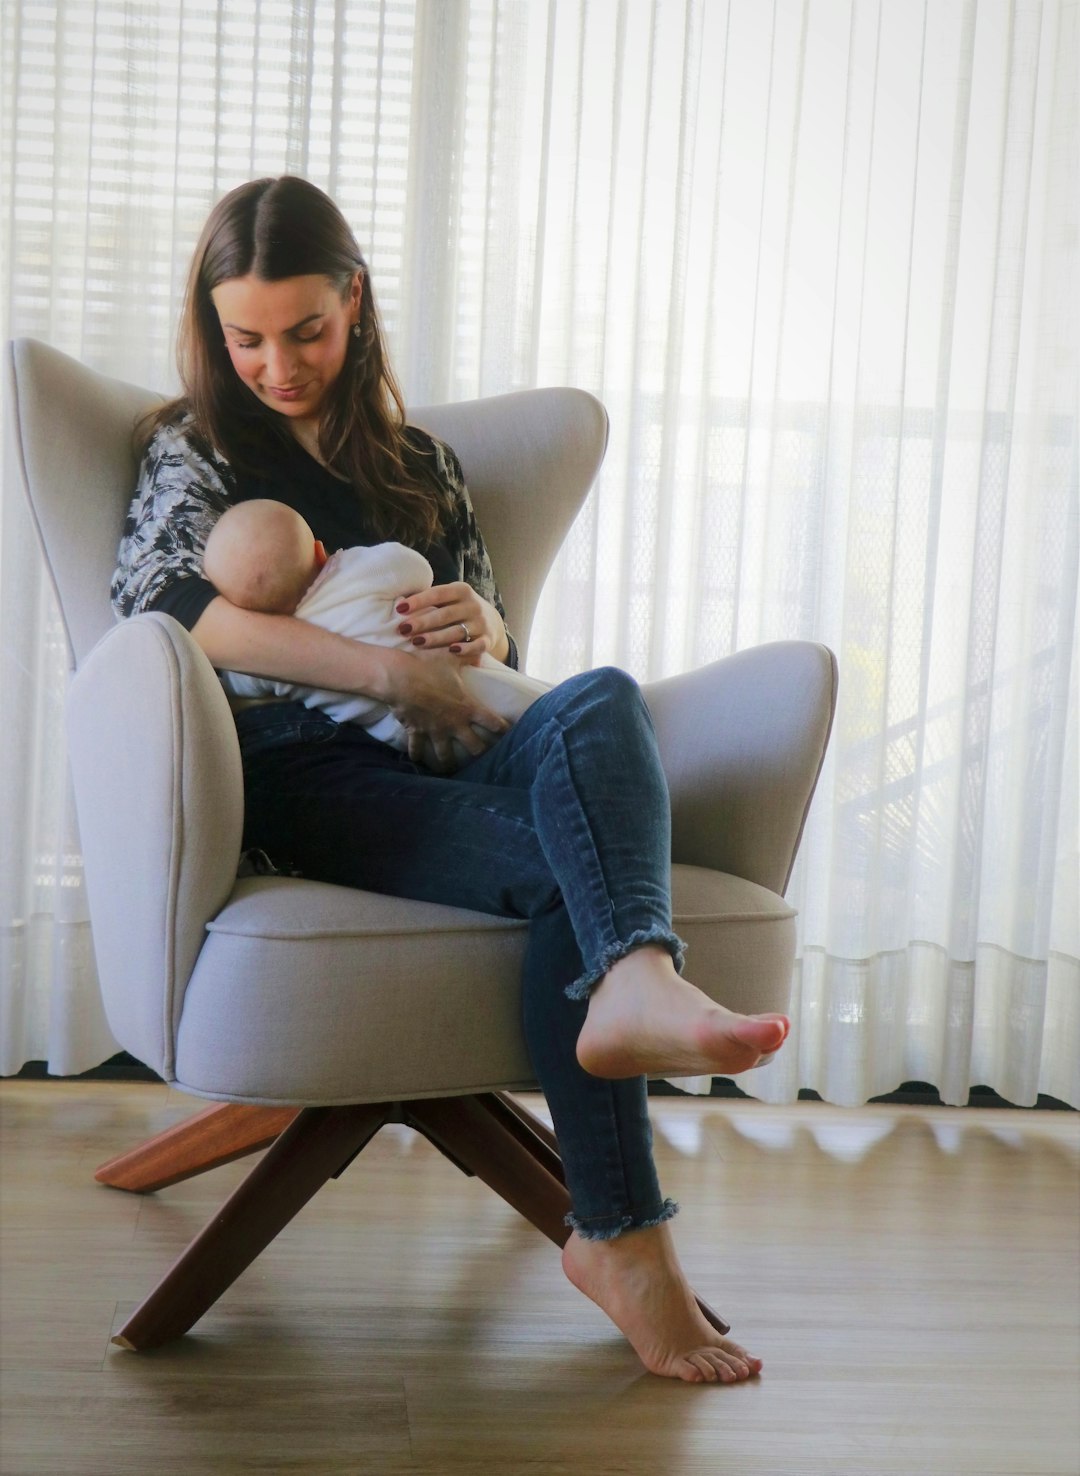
742 742
159 796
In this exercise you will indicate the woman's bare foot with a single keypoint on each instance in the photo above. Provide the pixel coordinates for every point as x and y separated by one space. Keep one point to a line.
644 1020
637 1280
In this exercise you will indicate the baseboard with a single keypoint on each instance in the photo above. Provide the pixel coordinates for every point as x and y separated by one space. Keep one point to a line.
123 1067
909 1094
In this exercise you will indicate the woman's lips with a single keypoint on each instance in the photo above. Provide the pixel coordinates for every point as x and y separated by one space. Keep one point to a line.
293 393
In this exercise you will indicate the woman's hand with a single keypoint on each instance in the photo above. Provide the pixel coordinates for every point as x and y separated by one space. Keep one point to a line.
431 701
454 618
425 690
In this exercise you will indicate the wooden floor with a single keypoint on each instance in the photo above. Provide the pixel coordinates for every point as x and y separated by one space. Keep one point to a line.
910 1276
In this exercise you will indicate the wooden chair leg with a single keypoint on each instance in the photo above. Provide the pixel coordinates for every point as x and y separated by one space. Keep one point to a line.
522 1125
319 1141
713 1318
471 1135
224 1132
536 1125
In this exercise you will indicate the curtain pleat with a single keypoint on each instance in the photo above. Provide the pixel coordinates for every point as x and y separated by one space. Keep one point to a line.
819 262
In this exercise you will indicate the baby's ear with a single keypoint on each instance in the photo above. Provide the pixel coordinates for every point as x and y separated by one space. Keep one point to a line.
320 553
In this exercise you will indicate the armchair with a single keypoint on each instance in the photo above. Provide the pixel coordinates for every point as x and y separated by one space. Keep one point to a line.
280 999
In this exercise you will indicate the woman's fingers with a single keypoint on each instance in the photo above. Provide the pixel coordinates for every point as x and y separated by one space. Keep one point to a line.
418 605
417 746
488 728
444 722
447 615
442 755
449 631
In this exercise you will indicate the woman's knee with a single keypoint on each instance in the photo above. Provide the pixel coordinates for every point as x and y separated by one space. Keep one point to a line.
609 685
613 698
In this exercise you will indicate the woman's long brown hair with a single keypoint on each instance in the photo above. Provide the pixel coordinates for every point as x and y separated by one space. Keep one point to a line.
286 227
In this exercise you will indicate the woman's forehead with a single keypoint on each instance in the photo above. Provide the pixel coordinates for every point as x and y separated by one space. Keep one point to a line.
249 302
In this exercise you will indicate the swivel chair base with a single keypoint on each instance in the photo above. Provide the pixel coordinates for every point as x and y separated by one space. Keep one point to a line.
488 1135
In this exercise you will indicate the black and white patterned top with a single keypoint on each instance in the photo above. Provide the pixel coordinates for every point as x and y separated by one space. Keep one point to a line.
184 486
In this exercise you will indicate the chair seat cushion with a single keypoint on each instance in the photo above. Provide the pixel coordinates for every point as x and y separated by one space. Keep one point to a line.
309 993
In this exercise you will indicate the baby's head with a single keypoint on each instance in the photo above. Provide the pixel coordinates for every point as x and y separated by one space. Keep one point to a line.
261 555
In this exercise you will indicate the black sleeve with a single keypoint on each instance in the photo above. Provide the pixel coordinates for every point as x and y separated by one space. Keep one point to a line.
184 599
464 538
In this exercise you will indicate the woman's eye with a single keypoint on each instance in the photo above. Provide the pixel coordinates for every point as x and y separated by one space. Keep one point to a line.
247 345
308 337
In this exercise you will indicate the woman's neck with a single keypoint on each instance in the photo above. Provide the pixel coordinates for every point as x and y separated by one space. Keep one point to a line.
307 433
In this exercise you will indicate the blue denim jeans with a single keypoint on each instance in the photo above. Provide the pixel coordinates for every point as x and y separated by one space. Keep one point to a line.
564 821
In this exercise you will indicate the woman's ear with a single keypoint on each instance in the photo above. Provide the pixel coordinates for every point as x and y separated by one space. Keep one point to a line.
356 293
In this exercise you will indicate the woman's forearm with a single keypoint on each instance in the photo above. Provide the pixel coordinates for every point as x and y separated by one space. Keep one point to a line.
425 693
289 650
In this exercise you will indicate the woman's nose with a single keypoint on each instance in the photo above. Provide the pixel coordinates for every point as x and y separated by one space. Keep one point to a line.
280 362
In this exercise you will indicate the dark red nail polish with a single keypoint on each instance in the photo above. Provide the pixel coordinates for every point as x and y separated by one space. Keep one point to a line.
418 640
402 609
404 630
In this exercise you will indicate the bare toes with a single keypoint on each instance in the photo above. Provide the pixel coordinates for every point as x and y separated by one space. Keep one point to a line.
725 1374
707 1371
740 1355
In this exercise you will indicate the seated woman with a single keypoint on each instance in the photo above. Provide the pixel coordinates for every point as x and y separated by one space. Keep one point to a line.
562 819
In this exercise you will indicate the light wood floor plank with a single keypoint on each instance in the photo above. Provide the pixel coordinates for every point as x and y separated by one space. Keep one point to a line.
910 1276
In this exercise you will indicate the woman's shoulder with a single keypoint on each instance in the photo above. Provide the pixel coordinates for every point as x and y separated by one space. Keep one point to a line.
176 446
423 443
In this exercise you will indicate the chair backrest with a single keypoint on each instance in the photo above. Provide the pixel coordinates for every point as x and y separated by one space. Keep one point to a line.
71 432
529 460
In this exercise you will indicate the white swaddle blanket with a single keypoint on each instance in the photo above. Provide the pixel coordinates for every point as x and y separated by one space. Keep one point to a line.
354 595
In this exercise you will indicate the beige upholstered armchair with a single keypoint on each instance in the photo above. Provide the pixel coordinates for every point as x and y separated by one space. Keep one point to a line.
281 999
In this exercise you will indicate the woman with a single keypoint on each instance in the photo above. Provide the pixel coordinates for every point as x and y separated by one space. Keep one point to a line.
562 819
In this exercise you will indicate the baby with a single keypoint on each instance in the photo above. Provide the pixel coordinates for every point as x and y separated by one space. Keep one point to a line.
261 555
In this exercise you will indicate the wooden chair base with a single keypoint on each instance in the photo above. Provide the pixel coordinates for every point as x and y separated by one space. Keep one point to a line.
489 1135
221 1134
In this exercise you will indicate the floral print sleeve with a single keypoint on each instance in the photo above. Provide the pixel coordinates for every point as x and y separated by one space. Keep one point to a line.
462 536
183 489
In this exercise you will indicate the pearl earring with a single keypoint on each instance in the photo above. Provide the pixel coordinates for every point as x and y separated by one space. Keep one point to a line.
356 330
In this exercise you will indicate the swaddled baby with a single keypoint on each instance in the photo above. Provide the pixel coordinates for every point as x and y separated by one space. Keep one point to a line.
261 555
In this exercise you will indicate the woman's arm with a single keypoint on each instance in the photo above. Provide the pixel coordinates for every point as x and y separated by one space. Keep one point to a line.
285 649
425 693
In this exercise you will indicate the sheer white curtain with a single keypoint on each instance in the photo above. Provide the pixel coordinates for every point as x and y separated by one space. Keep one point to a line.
818 258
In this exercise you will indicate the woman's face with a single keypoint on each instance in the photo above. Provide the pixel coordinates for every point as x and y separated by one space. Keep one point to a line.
287 340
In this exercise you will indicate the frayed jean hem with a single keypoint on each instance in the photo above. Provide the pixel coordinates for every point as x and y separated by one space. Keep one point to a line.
609 1227
584 985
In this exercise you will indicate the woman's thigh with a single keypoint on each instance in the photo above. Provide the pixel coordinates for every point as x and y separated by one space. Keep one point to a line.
336 811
